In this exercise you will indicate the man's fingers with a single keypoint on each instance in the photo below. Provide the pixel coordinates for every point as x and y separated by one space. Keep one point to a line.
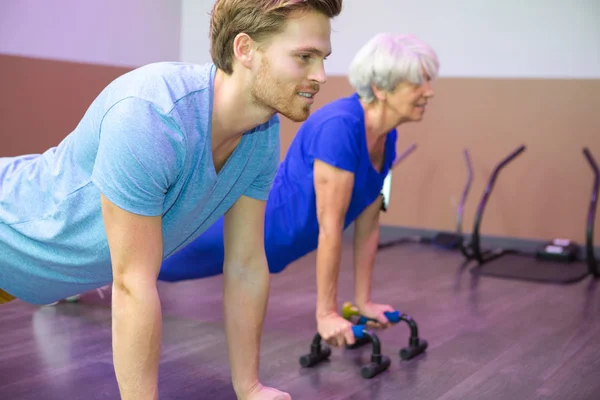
336 340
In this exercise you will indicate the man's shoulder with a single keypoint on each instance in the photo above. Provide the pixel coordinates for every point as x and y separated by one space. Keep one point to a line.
162 84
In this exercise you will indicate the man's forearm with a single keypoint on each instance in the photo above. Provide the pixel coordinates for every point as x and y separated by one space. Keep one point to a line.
365 251
246 291
136 331
328 268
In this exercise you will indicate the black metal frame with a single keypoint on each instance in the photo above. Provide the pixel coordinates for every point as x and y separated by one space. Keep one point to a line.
456 239
463 200
474 250
378 363
461 206
589 243
475 246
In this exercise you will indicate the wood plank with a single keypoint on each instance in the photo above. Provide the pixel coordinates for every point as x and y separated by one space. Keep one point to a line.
489 338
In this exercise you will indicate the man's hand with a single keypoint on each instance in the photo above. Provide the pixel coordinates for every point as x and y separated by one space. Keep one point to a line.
245 291
376 311
136 251
335 330
260 392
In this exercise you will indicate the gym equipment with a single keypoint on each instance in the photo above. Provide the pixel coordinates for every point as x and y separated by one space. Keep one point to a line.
453 240
415 346
589 236
472 249
446 240
378 364
555 262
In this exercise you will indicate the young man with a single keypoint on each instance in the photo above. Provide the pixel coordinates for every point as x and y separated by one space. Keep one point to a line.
332 176
160 155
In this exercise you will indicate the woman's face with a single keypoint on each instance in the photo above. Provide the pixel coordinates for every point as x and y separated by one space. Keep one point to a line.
408 100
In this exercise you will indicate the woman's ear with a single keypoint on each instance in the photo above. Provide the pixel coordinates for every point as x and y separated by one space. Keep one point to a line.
379 94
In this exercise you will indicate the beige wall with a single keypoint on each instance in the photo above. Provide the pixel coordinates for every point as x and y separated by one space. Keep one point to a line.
544 193
41 101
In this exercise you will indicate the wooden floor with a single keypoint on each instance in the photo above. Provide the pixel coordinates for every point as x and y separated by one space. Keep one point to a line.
488 339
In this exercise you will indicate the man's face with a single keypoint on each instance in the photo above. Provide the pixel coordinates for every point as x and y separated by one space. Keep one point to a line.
291 67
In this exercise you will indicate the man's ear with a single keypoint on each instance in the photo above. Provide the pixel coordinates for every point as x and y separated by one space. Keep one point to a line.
243 49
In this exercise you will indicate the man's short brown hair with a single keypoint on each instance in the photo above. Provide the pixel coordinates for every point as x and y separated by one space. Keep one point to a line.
257 18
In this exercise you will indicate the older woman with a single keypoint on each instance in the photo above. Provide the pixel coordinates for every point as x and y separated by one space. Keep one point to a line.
332 176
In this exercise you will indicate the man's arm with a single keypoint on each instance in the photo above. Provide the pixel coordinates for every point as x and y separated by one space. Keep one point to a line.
333 189
366 240
245 291
136 251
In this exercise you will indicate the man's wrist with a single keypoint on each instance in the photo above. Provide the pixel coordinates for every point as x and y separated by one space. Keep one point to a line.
243 389
324 311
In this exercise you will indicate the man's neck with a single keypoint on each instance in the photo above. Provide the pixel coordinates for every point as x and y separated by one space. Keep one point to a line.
234 112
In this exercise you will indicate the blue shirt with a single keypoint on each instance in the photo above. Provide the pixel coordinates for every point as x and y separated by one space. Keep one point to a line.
145 143
334 134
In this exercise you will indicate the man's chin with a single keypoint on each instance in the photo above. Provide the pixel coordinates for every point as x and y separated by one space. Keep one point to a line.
296 115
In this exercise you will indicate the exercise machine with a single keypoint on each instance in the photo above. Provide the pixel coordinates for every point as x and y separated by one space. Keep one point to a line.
589 233
557 261
446 240
472 250
456 240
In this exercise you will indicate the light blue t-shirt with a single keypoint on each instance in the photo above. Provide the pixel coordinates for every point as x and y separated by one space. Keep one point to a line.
145 143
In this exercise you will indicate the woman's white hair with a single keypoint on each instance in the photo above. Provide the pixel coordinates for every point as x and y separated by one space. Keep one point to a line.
388 59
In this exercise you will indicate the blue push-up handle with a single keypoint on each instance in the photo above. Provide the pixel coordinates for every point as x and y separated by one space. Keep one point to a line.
358 331
392 316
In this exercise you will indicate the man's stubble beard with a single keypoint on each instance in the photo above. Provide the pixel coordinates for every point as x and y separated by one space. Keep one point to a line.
274 95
